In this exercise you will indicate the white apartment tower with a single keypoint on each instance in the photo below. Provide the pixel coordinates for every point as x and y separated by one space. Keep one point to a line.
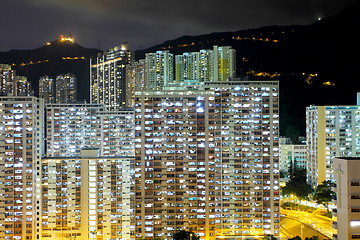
72 127
331 131
108 78
21 148
224 66
208 161
187 67
346 173
217 64
159 70
293 155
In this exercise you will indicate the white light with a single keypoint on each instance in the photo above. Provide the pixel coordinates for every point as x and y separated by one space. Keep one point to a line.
354 223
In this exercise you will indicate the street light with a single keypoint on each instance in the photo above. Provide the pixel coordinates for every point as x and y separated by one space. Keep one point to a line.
301 231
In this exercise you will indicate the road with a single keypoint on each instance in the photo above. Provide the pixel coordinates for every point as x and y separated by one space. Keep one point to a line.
292 228
318 222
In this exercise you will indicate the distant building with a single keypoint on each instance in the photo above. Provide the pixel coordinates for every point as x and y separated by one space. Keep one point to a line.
72 127
346 173
293 155
187 67
66 88
135 81
159 70
21 148
47 89
108 78
207 161
217 64
13 85
331 131
87 197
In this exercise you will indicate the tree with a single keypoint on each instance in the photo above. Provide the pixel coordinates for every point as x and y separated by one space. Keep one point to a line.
269 237
295 238
323 193
297 184
185 235
312 238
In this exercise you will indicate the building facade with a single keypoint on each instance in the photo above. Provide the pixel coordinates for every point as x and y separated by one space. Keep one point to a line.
21 148
135 81
208 161
293 155
346 173
187 67
331 131
13 85
108 78
47 89
72 127
87 197
159 70
66 88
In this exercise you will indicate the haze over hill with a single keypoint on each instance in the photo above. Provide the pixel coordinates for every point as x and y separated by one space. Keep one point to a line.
316 64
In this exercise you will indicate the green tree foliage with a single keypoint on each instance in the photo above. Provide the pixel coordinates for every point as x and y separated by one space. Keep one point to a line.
323 193
185 235
297 184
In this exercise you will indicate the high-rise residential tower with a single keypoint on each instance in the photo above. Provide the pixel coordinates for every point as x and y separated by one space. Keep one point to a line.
159 70
21 148
208 160
224 63
292 155
331 131
187 67
108 78
13 85
346 173
47 89
66 88
135 81
217 64
72 127
87 197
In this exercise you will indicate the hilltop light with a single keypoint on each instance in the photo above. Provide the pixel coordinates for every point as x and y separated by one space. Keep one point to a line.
66 39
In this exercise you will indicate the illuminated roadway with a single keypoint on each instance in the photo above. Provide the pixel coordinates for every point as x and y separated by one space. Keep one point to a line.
293 220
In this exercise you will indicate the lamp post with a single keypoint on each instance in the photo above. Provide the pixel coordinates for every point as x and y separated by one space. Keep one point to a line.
301 231
191 236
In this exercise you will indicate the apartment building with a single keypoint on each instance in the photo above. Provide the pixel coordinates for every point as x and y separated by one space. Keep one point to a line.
135 81
21 148
293 155
346 173
72 127
66 88
331 131
13 85
108 78
87 197
159 70
47 89
207 160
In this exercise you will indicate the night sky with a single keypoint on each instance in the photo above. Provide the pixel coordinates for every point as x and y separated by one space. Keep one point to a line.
28 24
